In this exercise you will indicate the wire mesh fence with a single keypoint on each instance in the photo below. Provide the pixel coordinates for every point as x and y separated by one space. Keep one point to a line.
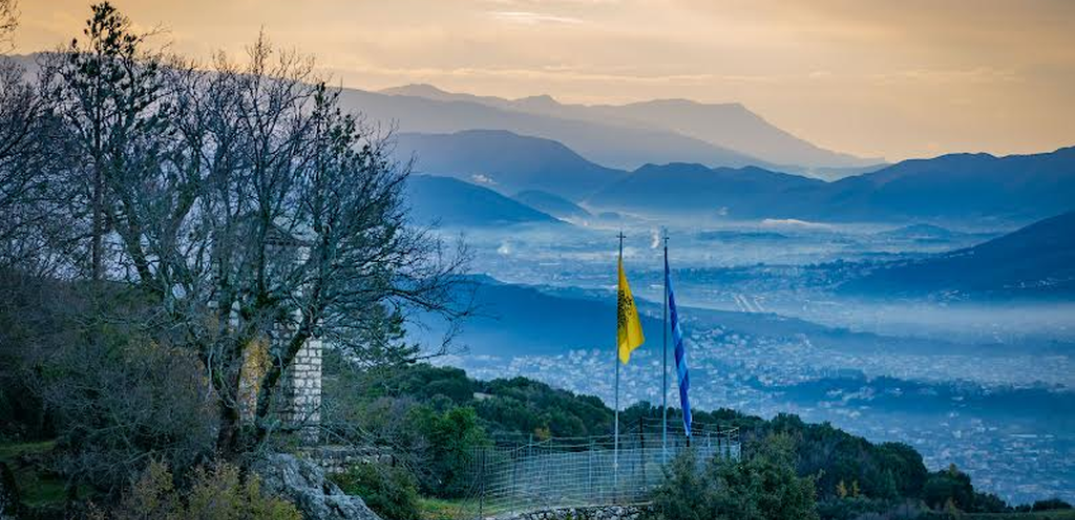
559 473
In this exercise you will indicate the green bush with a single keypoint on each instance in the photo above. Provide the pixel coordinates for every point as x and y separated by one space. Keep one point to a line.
764 487
452 438
390 491
1052 504
215 494
949 486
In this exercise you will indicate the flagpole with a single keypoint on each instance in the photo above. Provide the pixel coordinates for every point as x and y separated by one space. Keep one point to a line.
664 359
616 434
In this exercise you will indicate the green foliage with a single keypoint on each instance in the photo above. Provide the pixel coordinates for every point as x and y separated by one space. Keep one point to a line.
949 486
214 494
403 407
861 507
453 436
763 487
390 491
1052 504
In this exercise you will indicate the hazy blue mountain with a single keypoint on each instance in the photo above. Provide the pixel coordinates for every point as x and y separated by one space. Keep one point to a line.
950 187
554 205
919 232
735 236
727 125
693 188
507 162
1035 261
958 186
452 202
734 126
605 142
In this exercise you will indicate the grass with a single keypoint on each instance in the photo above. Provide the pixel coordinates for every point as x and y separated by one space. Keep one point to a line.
439 509
38 488
451 509
1062 514
9 452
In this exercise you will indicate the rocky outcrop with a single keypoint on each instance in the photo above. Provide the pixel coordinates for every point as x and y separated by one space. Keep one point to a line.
304 483
9 494
583 513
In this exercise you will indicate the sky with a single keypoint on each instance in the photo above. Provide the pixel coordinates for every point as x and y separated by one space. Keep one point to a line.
876 78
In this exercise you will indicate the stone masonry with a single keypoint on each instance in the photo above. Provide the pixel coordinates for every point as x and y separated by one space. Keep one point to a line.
302 391
582 513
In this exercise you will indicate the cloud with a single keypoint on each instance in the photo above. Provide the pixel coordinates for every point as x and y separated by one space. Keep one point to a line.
533 18
794 223
479 178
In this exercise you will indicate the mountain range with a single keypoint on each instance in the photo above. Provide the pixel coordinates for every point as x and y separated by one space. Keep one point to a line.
506 162
957 187
1037 260
607 143
728 126
444 201
949 187
554 205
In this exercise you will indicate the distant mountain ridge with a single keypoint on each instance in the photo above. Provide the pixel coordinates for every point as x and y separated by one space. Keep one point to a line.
507 162
552 204
1037 260
958 186
725 125
692 188
450 202
604 142
1014 186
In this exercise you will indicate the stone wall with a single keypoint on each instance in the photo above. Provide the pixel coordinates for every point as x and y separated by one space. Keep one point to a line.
302 391
340 459
583 513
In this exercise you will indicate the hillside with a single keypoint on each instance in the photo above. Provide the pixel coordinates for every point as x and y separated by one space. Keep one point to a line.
554 205
735 126
727 125
451 202
950 187
957 185
886 475
693 188
1037 260
604 142
506 162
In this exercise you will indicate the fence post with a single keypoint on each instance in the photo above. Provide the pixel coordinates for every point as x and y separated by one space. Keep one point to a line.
481 492
589 472
641 451
514 472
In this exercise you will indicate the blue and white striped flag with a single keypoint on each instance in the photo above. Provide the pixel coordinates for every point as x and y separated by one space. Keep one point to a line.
681 353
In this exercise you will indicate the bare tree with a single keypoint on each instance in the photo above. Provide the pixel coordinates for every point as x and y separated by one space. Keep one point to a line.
9 20
244 204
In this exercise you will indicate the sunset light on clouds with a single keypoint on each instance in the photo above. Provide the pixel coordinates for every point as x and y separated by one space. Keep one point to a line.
870 77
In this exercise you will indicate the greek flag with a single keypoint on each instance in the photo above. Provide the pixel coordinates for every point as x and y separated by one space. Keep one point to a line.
684 376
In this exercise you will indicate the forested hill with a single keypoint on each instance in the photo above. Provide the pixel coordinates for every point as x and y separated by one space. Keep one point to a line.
514 410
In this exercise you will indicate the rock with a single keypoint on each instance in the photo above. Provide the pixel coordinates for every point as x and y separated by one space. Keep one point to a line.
9 494
304 483
583 513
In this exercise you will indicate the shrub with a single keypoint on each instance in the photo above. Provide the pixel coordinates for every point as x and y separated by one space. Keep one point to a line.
1052 504
949 486
390 491
764 487
214 494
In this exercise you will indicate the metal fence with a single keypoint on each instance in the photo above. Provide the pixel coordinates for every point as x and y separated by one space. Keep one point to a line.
560 473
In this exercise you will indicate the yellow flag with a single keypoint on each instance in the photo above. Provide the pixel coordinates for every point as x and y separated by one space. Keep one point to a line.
628 327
